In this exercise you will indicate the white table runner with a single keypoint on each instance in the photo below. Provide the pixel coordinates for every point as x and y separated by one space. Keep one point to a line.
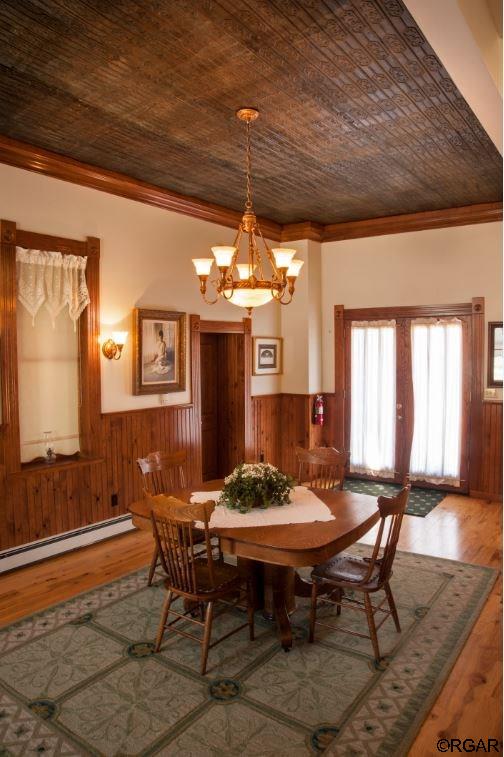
304 507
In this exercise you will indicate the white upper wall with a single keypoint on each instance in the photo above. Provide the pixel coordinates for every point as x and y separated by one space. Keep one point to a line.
145 262
437 266
462 40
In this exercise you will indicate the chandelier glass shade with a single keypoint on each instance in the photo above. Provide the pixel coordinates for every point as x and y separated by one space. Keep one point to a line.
259 278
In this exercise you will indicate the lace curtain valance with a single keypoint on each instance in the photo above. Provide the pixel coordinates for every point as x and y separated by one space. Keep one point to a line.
53 280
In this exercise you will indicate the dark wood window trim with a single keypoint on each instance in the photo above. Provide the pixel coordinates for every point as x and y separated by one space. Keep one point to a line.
491 381
89 348
408 311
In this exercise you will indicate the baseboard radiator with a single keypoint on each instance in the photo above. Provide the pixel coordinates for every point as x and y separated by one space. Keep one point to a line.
35 551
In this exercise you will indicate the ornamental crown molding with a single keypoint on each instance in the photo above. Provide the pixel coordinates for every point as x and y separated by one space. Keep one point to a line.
39 160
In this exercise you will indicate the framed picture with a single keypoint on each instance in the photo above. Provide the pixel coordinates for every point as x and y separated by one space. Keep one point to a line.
267 357
495 357
159 349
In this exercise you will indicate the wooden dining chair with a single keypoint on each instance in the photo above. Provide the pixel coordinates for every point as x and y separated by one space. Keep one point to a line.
163 473
198 579
363 574
321 467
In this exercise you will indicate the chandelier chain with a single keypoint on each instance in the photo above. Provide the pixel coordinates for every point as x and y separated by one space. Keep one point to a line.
248 203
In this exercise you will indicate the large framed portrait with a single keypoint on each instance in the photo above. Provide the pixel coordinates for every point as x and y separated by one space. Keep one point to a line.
159 345
267 357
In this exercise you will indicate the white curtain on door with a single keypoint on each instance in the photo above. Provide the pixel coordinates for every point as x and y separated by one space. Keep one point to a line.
51 279
436 352
373 382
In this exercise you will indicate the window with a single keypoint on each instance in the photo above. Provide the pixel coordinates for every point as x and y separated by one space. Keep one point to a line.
495 361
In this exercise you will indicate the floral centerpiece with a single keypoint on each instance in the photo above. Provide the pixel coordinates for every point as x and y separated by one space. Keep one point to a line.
255 485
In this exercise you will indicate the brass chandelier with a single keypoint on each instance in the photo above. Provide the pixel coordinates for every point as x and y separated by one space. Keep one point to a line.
246 284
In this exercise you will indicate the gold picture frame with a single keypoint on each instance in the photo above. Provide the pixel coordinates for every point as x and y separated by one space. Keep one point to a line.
159 351
267 356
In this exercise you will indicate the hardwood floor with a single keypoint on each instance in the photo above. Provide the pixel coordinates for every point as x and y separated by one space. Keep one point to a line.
460 528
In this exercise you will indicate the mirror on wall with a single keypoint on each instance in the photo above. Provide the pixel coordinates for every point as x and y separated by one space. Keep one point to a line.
495 358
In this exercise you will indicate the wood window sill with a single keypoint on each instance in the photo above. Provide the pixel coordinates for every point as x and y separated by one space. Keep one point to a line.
34 468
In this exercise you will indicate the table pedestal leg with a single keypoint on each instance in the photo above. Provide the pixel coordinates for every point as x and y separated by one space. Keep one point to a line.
279 600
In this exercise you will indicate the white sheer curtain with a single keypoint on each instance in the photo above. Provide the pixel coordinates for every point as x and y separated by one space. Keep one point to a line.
373 382
51 279
436 347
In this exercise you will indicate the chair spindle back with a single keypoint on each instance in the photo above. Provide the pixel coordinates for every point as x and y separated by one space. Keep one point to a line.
322 467
391 509
163 472
173 522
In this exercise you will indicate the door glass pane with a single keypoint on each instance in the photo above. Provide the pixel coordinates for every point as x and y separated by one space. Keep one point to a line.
437 389
373 392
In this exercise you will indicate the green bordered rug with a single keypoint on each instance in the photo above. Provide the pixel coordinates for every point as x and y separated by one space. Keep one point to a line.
81 678
420 503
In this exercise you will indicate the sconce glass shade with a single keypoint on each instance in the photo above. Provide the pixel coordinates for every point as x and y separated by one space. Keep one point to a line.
120 337
223 256
203 266
294 267
244 270
283 256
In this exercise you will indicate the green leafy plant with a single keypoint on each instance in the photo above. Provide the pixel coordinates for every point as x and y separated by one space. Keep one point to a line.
255 485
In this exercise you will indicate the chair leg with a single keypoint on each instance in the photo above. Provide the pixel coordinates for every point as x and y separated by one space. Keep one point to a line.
313 612
372 626
340 599
206 637
162 622
153 566
392 605
250 610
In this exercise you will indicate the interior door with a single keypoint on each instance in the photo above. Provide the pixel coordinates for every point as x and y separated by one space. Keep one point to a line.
209 407
223 397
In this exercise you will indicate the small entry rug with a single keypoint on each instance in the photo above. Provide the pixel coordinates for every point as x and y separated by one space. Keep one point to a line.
81 678
421 501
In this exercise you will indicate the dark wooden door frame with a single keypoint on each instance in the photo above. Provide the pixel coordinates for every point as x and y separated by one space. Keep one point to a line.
199 326
474 313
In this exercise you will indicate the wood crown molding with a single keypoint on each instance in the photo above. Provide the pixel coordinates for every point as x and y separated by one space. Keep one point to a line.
430 219
292 232
42 161
30 158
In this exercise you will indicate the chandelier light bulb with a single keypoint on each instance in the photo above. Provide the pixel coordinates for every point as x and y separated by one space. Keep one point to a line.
283 256
202 266
223 256
294 267
245 270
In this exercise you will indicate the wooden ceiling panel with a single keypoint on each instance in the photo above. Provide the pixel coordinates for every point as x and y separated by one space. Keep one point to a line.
359 119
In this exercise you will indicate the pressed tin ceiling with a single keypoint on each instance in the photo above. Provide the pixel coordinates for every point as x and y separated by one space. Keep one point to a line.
359 119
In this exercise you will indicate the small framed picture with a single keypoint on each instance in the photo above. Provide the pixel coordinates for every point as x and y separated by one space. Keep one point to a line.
267 357
159 344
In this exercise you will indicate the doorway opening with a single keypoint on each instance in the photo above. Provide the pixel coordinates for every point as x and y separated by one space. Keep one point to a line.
225 397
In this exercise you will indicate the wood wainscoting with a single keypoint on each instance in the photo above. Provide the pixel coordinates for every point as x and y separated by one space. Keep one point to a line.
39 504
489 482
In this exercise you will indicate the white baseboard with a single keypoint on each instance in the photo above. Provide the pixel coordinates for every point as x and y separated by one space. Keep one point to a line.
56 545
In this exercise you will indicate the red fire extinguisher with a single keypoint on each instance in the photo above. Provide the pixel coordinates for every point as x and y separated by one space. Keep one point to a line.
318 410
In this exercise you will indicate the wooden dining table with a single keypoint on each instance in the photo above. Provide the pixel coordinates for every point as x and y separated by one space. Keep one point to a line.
269 555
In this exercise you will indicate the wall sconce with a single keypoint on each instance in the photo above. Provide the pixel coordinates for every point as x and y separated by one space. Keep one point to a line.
112 347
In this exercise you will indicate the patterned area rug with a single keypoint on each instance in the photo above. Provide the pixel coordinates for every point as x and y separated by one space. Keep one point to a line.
421 501
81 678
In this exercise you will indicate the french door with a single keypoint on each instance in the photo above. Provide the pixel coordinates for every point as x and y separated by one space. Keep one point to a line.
408 394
